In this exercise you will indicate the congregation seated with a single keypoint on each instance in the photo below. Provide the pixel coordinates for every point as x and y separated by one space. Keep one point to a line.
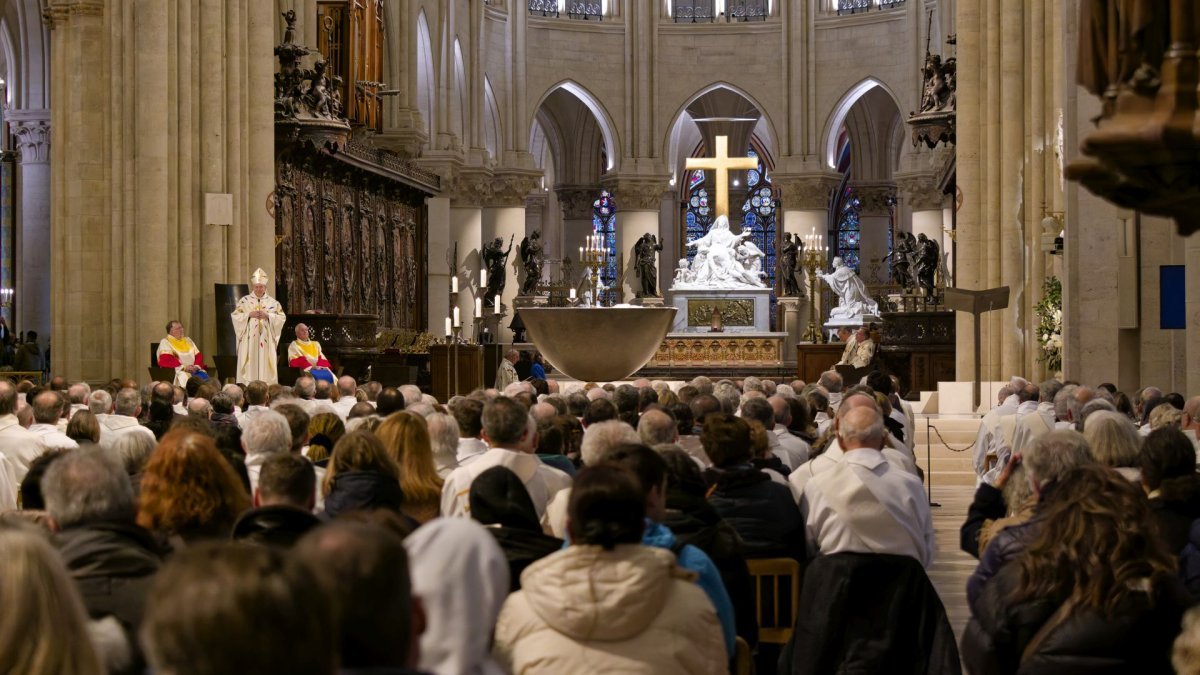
231 504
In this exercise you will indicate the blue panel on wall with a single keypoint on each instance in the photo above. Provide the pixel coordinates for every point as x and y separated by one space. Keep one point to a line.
1172 298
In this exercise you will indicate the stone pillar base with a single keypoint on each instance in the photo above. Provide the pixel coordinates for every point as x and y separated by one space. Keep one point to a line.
791 325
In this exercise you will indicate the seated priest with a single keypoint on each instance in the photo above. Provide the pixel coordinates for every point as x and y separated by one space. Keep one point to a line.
306 355
178 351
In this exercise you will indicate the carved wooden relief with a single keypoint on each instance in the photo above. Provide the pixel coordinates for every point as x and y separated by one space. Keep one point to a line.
350 242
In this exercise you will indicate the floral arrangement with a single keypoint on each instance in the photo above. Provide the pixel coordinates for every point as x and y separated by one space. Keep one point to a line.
1049 331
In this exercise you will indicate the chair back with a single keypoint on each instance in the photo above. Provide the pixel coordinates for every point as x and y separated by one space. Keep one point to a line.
743 661
776 584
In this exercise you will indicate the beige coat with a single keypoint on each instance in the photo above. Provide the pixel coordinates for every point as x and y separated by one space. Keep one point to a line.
629 610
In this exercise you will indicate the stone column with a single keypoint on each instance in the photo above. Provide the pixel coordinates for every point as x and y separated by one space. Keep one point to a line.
876 201
465 227
639 204
920 194
504 218
576 202
440 241
805 205
32 299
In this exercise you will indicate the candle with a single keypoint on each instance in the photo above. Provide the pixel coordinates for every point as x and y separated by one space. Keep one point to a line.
572 293
457 318
483 278
478 308
497 303
454 284
448 327
581 253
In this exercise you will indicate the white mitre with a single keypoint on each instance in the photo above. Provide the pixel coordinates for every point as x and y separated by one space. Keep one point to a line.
259 277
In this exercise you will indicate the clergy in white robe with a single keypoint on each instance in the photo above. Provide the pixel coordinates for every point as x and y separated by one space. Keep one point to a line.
258 321
988 427
864 504
177 351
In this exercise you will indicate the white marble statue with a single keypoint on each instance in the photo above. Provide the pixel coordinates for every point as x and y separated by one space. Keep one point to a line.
853 301
724 260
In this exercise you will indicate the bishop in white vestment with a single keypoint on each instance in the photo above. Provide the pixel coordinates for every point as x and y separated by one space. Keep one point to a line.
258 321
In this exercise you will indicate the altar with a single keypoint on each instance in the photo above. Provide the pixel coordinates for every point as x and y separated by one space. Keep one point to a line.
739 311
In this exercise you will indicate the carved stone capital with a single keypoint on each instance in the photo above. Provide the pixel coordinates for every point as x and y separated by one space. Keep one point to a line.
806 191
576 201
509 188
875 198
637 194
32 139
920 191
405 135
59 12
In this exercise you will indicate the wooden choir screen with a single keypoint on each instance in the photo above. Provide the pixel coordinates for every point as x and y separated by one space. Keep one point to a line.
349 243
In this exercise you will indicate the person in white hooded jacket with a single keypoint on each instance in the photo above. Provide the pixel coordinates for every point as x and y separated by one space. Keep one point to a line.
607 603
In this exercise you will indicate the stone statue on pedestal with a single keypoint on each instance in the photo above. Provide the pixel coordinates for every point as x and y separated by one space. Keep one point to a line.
928 258
532 259
853 301
789 273
495 259
644 252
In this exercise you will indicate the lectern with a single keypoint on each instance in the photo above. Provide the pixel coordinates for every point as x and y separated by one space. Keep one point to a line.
976 303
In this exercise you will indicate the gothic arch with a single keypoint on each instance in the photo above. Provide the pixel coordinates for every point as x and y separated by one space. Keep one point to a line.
425 72
674 143
837 117
599 112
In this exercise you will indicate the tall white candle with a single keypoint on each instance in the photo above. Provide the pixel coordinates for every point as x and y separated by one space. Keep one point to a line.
483 278
497 303
572 293
454 284
448 327
478 308
457 318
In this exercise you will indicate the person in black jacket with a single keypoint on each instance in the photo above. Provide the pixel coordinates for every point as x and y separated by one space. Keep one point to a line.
361 476
283 503
1168 463
500 501
762 511
694 521
91 509
1094 591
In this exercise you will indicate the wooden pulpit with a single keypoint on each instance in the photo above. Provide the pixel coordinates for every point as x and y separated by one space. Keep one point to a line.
976 303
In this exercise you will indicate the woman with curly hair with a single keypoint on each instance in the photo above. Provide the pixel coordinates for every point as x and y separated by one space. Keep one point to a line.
361 476
43 628
1095 591
189 491
405 436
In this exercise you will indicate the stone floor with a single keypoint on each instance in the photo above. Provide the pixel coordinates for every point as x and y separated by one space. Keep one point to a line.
952 567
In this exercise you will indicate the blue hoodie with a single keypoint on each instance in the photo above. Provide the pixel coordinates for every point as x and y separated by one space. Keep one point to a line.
695 560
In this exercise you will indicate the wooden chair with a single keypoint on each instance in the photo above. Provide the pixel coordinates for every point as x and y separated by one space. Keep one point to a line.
743 661
776 597
159 374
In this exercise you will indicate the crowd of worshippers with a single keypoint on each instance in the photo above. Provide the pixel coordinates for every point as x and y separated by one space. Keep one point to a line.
1086 524
607 529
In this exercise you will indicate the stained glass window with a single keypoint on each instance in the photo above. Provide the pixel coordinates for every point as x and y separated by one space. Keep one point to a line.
604 223
699 210
849 230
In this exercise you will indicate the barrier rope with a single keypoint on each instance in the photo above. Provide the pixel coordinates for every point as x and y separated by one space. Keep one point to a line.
948 446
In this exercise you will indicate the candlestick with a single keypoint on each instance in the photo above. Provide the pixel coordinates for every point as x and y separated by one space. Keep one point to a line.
454 284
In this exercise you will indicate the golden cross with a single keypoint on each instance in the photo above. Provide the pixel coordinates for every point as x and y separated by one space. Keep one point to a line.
721 163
